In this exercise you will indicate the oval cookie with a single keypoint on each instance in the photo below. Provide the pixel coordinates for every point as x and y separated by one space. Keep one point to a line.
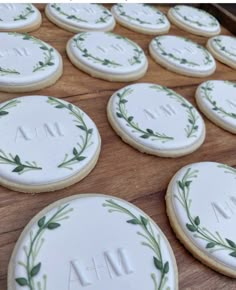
223 47
201 206
108 56
217 100
46 144
194 20
93 241
19 17
142 18
183 56
156 120
77 17
27 63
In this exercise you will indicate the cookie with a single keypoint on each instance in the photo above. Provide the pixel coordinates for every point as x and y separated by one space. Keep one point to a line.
27 63
141 18
92 241
223 47
217 100
183 56
19 17
156 120
201 207
194 20
46 144
107 56
76 17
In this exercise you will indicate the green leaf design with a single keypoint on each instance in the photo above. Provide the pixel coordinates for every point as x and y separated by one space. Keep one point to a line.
196 22
206 90
123 113
19 166
192 127
214 241
4 109
35 270
33 247
85 138
52 226
207 57
151 241
59 10
218 43
7 71
25 13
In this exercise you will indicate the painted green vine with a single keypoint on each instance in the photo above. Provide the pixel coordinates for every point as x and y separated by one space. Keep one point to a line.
151 240
19 166
161 19
47 51
214 241
198 23
78 41
4 109
228 169
193 117
123 114
7 71
181 60
68 16
206 90
85 143
218 42
25 13
31 265
106 15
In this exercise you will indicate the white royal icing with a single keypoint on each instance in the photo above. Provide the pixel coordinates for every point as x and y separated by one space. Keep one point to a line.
84 16
25 60
204 201
94 242
108 52
156 117
45 133
218 98
195 18
225 45
17 15
141 15
183 53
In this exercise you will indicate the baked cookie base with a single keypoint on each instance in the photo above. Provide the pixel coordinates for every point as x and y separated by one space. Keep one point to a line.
175 69
11 276
187 242
72 28
217 121
190 29
56 185
220 57
35 86
105 76
144 149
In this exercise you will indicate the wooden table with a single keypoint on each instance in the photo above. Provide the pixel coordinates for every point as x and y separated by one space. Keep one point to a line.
121 170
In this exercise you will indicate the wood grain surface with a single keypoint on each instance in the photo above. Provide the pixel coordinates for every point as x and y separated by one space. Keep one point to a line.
121 170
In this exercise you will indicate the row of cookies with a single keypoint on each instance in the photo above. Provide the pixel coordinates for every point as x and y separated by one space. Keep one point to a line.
142 18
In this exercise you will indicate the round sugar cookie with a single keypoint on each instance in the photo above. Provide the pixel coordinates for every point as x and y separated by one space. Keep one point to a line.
92 241
142 18
27 63
156 120
19 17
194 20
46 144
217 100
183 56
77 17
223 47
107 56
201 205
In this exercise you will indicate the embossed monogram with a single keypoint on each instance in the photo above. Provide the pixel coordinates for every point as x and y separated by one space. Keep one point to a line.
48 130
16 51
232 103
185 50
161 111
109 265
88 10
224 210
8 6
111 48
